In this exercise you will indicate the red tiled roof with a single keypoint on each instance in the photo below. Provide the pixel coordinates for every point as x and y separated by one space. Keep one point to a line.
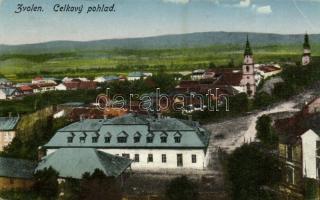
25 88
269 68
38 78
84 85
230 78
46 84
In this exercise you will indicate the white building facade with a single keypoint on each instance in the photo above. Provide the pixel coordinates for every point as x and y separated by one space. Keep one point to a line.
152 143
311 154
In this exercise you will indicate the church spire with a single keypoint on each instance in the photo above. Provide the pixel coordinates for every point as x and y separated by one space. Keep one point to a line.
306 44
248 50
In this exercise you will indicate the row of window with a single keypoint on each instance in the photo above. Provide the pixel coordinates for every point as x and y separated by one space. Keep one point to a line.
107 139
136 157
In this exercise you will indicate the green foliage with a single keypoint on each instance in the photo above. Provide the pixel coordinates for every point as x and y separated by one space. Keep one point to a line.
262 100
239 103
35 130
283 90
71 189
265 132
182 188
20 195
99 187
33 103
253 173
311 189
46 183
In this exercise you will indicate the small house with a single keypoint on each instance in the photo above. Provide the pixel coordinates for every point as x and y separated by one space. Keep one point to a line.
16 173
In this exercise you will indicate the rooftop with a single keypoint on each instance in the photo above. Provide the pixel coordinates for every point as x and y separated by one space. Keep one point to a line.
290 129
74 162
8 123
92 133
136 74
16 168
8 91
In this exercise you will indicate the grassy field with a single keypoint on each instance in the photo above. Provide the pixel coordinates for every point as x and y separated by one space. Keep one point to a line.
22 67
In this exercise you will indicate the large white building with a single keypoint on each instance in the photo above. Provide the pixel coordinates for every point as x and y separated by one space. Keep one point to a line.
151 142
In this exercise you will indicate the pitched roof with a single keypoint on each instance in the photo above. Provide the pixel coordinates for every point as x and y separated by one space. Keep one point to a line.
306 43
136 74
290 129
4 81
8 123
192 136
24 88
248 50
74 162
85 85
16 168
8 91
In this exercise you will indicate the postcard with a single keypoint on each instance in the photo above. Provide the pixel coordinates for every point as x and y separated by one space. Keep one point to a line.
160 99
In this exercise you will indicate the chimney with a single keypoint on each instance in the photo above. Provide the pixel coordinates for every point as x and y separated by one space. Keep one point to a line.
158 115
81 118
41 153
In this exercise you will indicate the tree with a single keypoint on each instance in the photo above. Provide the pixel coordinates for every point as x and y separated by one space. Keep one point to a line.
239 103
265 132
182 188
99 187
253 173
211 65
46 183
283 90
262 99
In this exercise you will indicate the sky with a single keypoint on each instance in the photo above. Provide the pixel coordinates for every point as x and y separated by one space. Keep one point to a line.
142 18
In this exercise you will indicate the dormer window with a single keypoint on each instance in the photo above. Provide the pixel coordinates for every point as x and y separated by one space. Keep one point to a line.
177 137
107 137
136 137
122 137
70 139
83 137
150 137
95 138
163 137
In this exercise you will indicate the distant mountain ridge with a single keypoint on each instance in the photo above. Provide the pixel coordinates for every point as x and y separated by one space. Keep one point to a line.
202 39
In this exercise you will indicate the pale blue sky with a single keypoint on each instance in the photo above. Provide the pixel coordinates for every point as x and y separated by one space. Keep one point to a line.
139 18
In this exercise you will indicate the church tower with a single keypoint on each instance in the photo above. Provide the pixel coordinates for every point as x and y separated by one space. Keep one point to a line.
248 74
306 58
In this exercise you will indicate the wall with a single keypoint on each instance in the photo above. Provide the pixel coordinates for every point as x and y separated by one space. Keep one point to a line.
5 138
309 142
13 183
157 158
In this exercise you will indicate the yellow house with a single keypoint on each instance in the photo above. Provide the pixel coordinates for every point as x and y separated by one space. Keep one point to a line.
7 130
16 173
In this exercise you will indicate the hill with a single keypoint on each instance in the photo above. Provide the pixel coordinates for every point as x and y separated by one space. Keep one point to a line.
190 40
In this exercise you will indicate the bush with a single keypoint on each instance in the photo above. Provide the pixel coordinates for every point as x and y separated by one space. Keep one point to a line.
253 173
46 183
98 186
182 188
265 132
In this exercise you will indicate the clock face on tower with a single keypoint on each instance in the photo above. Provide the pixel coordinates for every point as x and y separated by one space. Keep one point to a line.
305 60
